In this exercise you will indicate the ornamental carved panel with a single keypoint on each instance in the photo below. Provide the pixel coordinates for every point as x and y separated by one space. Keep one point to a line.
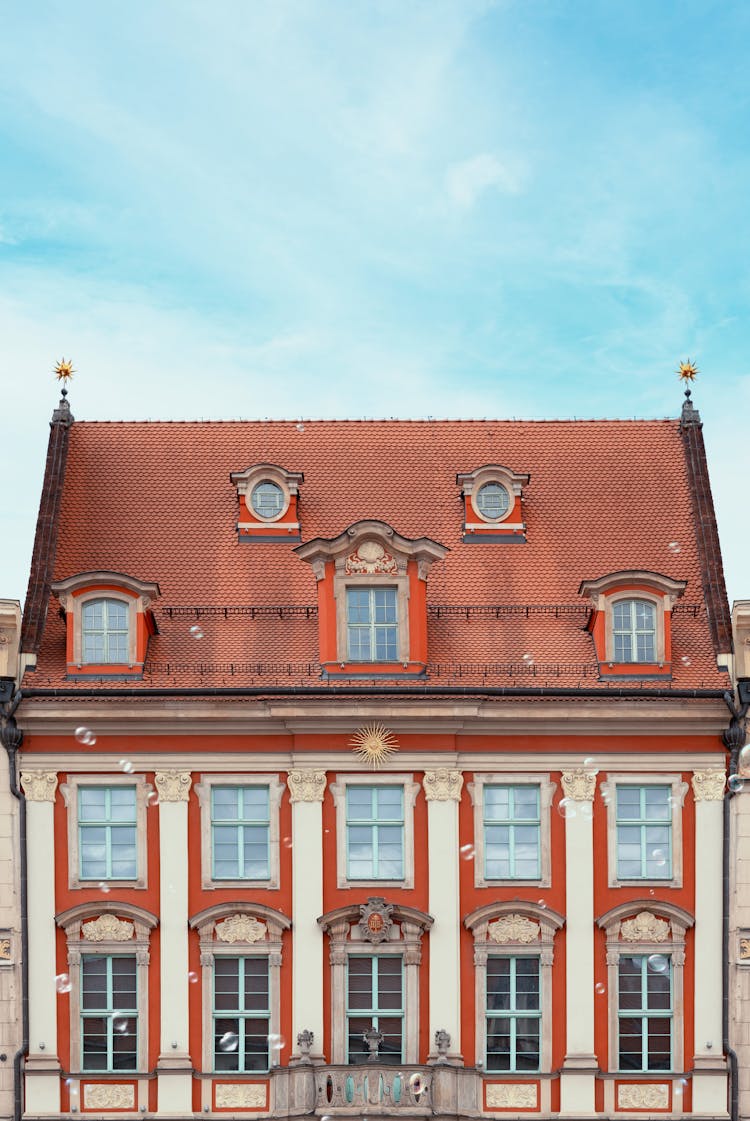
643 1096
375 920
370 558
645 927
511 1095
108 1096
307 786
443 785
240 928
580 786
107 928
173 786
708 786
513 928
39 786
243 1095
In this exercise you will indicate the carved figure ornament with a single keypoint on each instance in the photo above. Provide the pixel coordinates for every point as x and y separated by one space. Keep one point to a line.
645 927
240 928
513 928
107 928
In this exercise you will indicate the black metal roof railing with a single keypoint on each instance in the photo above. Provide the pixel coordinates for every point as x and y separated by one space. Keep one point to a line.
434 610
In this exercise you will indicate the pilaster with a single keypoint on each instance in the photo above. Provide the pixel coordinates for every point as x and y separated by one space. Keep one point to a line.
307 789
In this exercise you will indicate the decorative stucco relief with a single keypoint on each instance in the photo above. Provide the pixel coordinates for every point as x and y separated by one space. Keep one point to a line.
511 1095
645 927
240 928
643 1096
39 786
708 786
108 1096
306 786
513 928
580 786
443 785
370 558
173 786
243 1095
107 928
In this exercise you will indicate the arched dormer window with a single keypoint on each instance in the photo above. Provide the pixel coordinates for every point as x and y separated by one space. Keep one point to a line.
513 957
372 599
645 968
268 497
631 622
492 499
109 620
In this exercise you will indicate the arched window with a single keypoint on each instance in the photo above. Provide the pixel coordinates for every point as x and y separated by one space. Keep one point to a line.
634 630
105 631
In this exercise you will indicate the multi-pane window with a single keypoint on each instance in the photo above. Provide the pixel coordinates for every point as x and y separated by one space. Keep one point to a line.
374 832
493 501
372 624
645 1012
512 829
104 631
240 832
241 1013
109 1012
514 1013
375 1000
267 499
107 832
644 832
634 631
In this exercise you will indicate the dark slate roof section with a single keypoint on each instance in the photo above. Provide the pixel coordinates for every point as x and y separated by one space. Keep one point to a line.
47 526
706 530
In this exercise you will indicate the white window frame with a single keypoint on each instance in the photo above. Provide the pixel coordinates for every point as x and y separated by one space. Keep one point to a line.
379 778
657 605
546 793
143 789
275 790
608 790
372 626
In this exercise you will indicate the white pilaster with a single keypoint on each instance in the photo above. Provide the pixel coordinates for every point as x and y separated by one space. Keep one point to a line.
577 1081
709 1076
42 1065
443 792
306 789
174 1065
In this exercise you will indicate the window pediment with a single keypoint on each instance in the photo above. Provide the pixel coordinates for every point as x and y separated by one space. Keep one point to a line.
371 547
240 924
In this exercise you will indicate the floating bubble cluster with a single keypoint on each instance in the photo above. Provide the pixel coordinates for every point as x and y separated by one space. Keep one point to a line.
528 659
196 632
566 807
104 887
736 783
658 963
467 852
85 736
62 983
126 766
674 547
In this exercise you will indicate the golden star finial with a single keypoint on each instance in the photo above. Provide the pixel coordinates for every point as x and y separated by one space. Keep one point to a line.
64 371
688 371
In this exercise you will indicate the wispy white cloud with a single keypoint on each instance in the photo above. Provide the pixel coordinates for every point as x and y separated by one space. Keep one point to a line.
467 180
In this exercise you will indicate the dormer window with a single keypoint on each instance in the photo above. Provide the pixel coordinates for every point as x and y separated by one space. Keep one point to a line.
268 496
109 621
492 498
372 599
630 622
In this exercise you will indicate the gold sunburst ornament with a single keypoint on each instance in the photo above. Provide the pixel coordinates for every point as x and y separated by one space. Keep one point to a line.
373 744
64 371
687 371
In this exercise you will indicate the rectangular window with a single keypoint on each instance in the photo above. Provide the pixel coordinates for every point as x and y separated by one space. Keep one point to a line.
109 1013
644 832
375 832
104 624
240 833
514 1013
241 1014
107 832
512 833
645 1012
375 1000
371 624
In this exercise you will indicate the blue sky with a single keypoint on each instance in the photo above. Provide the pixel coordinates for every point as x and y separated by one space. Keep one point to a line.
371 209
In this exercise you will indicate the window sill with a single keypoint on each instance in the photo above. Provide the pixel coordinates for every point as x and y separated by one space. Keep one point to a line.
644 670
373 669
78 884
242 885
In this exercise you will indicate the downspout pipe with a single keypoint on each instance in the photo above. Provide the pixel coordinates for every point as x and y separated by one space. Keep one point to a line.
12 738
734 740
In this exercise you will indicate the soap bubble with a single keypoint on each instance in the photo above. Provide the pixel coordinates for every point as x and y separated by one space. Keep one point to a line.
85 736
659 858
104 887
416 1084
229 1041
589 761
528 659
566 807
193 977
586 810
600 989
62 983
287 842
744 760
120 1024
658 963
541 903
674 547
685 660
467 852
153 798
196 632
300 427
126 766
276 1042
735 784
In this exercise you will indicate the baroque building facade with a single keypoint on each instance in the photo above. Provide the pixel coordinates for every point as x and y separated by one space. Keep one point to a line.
375 769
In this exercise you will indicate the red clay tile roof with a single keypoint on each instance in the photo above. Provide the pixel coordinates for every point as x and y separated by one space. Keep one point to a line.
154 499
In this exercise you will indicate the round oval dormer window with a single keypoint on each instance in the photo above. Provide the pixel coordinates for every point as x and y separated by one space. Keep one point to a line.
267 499
493 501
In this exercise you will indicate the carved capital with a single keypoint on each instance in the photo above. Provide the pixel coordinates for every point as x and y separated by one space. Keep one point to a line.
443 785
708 786
580 786
306 786
107 928
39 786
240 928
173 786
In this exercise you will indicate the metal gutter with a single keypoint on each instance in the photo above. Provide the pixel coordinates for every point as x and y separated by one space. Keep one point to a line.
379 690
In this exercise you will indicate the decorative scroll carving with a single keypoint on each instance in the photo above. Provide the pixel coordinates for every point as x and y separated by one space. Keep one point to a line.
443 785
744 952
369 558
240 928
39 786
513 928
579 785
107 928
375 919
307 786
708 786
173 786
243 1095
643 1096
645 927
108 1095
511 1095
